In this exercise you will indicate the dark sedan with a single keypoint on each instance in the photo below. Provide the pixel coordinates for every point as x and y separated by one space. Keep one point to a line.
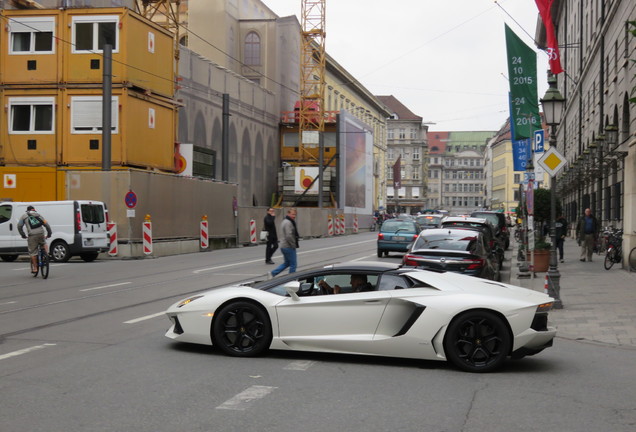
457 250
396 235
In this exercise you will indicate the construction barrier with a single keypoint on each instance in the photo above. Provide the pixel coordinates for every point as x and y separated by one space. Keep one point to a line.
253 239
342 224
329 225
355 224
147 232
545 285
204 232
112 236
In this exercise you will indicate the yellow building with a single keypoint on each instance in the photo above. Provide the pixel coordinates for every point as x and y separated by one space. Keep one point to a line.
51 86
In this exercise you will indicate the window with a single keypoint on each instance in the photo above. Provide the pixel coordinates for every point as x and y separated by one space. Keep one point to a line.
416 153
402 133
31 35
31 115
390 134
91 33
252 49
413 133
86 114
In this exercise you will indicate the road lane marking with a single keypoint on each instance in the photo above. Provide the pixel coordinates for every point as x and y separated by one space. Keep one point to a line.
241 401
25 351
6 303
300 365
363 258
105 286
260 259
144 318
29 269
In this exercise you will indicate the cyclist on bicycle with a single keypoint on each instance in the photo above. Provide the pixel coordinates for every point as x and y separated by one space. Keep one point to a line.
35 225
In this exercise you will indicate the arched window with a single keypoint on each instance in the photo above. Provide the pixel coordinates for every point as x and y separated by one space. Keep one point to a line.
252 51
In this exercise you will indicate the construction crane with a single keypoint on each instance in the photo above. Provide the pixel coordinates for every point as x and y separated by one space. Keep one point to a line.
167 13
311 116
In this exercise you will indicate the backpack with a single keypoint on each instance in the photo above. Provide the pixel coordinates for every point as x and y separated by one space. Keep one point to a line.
34 222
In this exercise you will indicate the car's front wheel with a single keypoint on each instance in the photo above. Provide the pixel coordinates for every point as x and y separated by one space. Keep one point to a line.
477 341
59 251
242 329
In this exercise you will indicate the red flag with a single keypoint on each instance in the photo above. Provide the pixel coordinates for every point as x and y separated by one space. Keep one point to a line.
545 10
397 173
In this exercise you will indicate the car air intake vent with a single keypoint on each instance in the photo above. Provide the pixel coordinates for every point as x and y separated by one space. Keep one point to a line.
177 326
540 322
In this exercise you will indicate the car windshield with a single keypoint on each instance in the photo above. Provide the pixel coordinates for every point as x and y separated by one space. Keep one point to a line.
395 226
455 242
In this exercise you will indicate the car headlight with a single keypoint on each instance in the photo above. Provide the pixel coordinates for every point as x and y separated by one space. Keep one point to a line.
188 300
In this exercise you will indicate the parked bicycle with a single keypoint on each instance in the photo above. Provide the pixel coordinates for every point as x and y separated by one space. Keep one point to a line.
632 259
614 252
43 263
603 240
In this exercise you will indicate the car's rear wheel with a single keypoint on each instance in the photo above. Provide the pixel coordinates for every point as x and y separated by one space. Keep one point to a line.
89 256
242 329
9 258
379 253
477 341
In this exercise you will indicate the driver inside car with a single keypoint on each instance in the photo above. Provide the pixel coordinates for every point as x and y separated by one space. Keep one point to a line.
358 282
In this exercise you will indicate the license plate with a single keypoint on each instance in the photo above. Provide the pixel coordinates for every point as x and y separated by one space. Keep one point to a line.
88 242
399 238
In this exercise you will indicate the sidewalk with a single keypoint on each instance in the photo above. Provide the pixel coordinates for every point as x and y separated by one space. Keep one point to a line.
598 305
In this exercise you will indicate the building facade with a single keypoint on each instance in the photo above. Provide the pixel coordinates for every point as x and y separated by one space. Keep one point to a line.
456 171
597 134
406 142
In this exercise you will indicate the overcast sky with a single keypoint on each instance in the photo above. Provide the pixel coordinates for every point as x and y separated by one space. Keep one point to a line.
444 59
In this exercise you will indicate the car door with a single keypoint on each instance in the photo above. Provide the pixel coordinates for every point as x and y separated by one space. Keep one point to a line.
8 229
335 322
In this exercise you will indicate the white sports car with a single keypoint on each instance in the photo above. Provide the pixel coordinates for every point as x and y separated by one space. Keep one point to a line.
396 312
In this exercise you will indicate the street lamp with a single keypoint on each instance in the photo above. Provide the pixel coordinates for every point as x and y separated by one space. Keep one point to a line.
553 105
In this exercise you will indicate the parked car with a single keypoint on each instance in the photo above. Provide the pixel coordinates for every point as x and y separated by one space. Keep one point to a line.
481 225
79 228
410 313
396 235
429 221
456 250
498 220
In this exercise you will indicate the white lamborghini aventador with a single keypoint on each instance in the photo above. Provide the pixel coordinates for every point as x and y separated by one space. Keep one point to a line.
397 312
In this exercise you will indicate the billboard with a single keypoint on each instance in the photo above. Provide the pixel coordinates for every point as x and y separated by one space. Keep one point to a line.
355 164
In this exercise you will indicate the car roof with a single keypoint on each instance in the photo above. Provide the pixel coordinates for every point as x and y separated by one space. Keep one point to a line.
465 219
447 231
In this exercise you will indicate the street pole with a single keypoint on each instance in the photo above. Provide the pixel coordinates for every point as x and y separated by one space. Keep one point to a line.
554 277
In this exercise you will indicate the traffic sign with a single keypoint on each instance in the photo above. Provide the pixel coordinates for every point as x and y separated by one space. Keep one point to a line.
539 140
130 199
552 161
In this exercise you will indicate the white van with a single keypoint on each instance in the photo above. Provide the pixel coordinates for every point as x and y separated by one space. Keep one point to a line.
79 228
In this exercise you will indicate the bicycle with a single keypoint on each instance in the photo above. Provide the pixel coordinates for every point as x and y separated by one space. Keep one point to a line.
632 260
614 252
43 263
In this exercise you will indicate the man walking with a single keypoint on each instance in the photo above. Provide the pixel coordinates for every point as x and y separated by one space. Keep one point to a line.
586 232
269 224
289 243
561 230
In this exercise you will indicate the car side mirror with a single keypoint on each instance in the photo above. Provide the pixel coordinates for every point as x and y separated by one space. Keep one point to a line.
292 288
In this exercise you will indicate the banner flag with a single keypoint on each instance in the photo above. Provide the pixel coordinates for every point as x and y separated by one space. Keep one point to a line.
397 173
554 57
522 75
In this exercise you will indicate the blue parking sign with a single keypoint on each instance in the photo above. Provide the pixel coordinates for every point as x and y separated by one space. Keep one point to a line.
539 140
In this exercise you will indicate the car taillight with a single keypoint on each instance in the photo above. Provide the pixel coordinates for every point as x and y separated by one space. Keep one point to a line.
409 261
78 221
414 237
476 264
380 236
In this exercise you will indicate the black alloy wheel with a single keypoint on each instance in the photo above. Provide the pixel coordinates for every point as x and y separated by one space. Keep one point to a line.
242 329
477 341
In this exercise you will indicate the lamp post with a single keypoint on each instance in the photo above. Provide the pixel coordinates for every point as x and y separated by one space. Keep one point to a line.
553 104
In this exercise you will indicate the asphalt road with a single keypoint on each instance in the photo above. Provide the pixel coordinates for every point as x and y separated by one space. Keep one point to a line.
85 351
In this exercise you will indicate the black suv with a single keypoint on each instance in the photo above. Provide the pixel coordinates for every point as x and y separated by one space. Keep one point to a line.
498 220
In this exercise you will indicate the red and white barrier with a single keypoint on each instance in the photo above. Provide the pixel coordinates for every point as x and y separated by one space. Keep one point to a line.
253 239
329 225
342 224
545 285
355 224
205 238
147 232
112 235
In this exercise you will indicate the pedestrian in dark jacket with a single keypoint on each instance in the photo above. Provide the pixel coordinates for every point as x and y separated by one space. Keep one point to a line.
269 224
586 232
561 231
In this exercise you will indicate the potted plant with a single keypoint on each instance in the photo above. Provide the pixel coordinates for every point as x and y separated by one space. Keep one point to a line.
541 254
